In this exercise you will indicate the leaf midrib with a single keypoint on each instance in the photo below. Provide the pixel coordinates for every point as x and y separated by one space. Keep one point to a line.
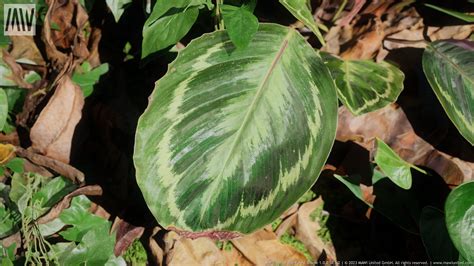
256 99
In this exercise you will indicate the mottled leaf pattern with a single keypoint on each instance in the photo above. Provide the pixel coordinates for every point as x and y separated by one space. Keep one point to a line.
364 86
233 137
449 67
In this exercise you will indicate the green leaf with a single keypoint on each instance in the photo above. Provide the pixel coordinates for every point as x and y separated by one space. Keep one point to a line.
459 209
449 68
301 11
117 7
241 26
5 72
80 218
168 23
435 235
364 86
353 186
53 191
393 166
16 165
229 141
86 77
7 222
95 248
456 14
3 108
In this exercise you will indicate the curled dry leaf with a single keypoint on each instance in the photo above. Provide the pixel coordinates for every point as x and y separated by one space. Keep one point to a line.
125 235
306 231
59 167
54 213
53 131
202 251
17 71
392 126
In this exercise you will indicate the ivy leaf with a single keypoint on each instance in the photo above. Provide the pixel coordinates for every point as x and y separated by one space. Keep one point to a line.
364 86
449 68
229 141
459 209
80 218
241 25
16 165
393 166
117 7
168 23
53 191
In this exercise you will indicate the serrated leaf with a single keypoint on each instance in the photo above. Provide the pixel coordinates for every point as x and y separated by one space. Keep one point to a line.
393 166
80 218
168 23
449 68
229 141
364 86
456 14
117 7
459 209
435 236
241 26
299 9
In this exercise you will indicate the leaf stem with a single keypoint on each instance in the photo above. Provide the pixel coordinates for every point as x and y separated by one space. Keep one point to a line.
219 20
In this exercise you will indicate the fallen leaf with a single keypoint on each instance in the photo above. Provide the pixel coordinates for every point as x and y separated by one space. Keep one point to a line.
306 231
7 151
53 131
125 235
264 248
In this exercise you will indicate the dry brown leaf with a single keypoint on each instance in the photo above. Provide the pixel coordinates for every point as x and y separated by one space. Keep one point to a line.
52 134
264 248
201 251
286 224
125 235
59 167
25 47
306 230
392 126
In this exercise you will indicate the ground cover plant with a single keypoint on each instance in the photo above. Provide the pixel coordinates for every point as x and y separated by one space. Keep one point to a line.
237 132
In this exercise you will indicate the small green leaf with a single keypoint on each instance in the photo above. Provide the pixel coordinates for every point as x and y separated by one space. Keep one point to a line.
354 187
435 237
16 165
3 108
168 23
117 7
456 14
364 86
241 26
301 11
393 166
449 68
459 209
86 77
80 218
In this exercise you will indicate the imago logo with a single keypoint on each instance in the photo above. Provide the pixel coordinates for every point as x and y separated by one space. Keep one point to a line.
19 19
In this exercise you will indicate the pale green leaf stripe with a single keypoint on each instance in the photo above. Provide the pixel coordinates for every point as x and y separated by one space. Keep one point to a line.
233 137
449 68
364 86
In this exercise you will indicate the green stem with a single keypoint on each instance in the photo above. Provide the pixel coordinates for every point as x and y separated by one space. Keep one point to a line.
219 20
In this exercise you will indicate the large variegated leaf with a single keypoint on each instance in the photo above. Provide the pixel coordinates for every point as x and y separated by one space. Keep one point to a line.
364 86
449 67
232 137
